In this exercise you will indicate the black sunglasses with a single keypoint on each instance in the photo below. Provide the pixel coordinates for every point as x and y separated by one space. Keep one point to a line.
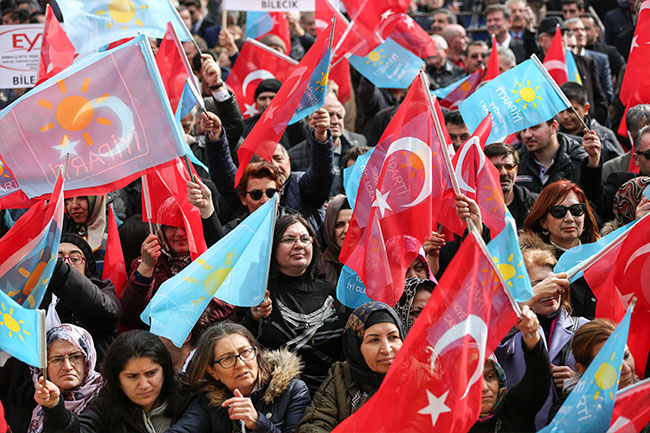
256 194
645 153
576 210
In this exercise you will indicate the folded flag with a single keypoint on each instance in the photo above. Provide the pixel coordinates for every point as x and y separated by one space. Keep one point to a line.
413 37
99 22
235 270
572 68
521 97
109 112
458 91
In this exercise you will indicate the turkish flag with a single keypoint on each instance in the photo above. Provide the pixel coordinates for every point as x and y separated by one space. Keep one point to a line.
256 62
114 267
619 275
57 52
281 28
266 134
166 185
372 22
435 381
631 411
173 66
636 71
412 36
493 65
339 73
400 186
555 60
639 95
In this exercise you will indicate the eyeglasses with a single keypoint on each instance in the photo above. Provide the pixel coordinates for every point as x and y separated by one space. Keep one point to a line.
73 259
76 358
291 240
230 360
256 194
477 55
576 210
645 153
506 166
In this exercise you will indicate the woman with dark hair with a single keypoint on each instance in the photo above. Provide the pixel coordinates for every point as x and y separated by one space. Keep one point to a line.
551 303
85 216
142 392
300 312
238 382
372 337
335 227
562 217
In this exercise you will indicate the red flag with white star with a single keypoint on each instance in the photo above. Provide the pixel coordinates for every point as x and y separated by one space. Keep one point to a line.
434 383
631 412
636 71
400 187
555 60
256 62
413 37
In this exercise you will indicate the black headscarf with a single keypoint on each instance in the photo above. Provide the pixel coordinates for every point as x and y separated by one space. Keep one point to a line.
361 319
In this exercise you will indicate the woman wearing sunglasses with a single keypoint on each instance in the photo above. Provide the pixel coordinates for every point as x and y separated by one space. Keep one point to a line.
240 387
563 218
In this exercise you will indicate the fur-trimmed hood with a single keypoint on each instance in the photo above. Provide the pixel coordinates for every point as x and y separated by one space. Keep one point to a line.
285 366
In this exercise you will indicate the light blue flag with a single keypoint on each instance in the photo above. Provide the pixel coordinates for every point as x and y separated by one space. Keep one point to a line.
234 270
314 96
389 65
444 91
519 98
506 253
96 23
258 24
352 177
646 192
350 290
20 331
573 257
185 105
572 68
589 406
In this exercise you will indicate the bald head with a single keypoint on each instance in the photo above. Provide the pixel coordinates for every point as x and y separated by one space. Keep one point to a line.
457 40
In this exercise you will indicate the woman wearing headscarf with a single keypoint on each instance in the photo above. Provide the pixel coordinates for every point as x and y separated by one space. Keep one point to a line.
71 359
629 204
371 339
85 216
335 227
513 410
417 292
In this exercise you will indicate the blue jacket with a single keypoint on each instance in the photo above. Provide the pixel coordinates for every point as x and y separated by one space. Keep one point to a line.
280 401
511 357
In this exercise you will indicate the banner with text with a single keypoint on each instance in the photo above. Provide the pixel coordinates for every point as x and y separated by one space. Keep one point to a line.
269 5
20 49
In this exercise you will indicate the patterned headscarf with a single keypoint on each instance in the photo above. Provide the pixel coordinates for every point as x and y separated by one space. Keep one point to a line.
628 197
76 399
353 337
501 376
404 307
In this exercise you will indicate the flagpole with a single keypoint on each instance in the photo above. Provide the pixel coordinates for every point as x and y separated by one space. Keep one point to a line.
42 344
557 89
189 167
147 200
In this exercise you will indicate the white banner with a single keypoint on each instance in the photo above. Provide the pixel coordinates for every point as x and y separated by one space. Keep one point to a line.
20 49
269 5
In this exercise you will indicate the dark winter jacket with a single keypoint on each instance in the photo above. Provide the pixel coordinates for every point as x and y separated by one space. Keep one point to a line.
521 204
280 402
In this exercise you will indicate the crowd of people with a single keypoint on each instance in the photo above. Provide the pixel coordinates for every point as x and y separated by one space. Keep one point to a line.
301 360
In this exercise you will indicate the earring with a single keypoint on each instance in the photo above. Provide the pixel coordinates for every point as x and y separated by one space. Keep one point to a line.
545 232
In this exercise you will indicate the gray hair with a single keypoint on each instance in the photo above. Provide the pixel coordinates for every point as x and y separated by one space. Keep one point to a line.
450 16
440 42
572 20
637 117
639 135
507 55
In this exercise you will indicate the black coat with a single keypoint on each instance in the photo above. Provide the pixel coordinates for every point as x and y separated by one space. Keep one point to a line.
521 204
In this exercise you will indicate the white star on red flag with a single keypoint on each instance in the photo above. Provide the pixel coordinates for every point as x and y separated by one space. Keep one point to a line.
436 406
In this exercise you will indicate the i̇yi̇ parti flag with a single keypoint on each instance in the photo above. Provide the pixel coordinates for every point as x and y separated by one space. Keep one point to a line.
388 65
109 112
402 184
260 24
521 97
434 383
235 270
28 251
339 72
93 24
256 62
631 410
589 406
21 331
555 59
114 267
572 67
302 93
57 52
165 202
458 91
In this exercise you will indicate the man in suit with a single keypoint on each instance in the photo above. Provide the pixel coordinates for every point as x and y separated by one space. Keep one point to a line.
497 17
592 33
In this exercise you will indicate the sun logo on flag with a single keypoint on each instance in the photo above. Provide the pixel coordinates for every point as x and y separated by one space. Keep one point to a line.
74 113
606 378
214 279
122 12
508 270
465 86
494 197
2 170
322 83
527 94
33 279
12 325
375 57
